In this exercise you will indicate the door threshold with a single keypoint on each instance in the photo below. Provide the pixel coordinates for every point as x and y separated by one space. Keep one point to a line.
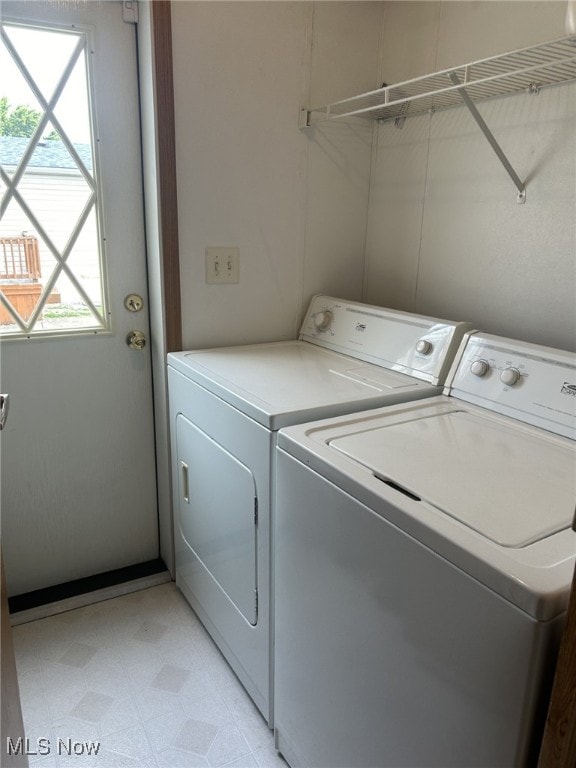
93 589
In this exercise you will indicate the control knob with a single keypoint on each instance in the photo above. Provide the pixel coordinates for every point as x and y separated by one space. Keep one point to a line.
424 347
479 367
323 319
509 376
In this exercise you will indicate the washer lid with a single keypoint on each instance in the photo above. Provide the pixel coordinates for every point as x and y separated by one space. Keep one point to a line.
510 485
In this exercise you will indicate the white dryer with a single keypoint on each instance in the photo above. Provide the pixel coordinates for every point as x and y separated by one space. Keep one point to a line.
424 556
226 406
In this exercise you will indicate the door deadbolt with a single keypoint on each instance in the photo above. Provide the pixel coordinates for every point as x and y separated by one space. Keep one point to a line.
136 340
133 302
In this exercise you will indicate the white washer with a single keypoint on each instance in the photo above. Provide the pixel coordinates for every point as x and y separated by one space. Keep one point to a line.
424 557
225 407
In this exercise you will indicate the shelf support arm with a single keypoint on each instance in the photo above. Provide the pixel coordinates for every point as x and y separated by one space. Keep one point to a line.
521 198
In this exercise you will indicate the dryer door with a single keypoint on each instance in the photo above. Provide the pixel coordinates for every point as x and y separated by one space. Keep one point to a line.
217 519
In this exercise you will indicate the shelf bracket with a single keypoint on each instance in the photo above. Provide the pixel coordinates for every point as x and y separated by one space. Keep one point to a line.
521 197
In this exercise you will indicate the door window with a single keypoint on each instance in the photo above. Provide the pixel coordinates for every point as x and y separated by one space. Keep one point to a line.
52 270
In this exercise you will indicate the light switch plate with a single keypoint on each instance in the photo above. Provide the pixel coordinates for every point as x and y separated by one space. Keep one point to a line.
222 265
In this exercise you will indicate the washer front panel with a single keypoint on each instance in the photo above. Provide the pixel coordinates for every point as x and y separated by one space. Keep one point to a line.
386 653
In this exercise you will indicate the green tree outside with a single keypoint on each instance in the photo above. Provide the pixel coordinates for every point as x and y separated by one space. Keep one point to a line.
20 121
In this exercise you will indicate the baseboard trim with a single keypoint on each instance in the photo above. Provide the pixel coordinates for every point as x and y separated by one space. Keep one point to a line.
93 589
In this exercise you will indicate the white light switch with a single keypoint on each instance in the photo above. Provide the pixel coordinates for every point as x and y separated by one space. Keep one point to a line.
222 264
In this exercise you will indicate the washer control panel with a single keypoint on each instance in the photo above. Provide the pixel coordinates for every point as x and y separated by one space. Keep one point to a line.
424 347
414 344
323 319
510 376
480 367
532 383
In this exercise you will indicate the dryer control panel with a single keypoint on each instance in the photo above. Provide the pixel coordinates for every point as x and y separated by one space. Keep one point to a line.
417 345
531 383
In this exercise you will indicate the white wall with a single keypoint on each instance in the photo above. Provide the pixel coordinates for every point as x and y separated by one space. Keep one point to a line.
445 234
344 62
294 202
423 219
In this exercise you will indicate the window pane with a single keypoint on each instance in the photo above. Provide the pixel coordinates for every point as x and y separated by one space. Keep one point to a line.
50 204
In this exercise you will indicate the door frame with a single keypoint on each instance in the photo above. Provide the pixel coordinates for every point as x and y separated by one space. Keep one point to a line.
166 143
155 73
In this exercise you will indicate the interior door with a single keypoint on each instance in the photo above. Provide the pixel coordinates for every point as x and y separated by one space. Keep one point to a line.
78 493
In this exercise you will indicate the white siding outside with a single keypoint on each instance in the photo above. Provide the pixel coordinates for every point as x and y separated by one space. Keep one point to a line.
57 198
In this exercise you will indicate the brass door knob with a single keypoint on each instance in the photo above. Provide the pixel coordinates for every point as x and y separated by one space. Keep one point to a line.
136 340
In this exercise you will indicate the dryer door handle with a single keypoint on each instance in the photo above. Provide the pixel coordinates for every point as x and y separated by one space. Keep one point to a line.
3 410
185 488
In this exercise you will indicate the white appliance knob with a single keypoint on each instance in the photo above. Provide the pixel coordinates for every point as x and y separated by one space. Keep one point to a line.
510 376
479 367
424 347
323 319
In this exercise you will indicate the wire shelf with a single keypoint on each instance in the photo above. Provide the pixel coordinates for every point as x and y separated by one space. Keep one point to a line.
526 69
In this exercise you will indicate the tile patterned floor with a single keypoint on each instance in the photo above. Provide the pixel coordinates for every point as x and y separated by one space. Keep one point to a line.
139 675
